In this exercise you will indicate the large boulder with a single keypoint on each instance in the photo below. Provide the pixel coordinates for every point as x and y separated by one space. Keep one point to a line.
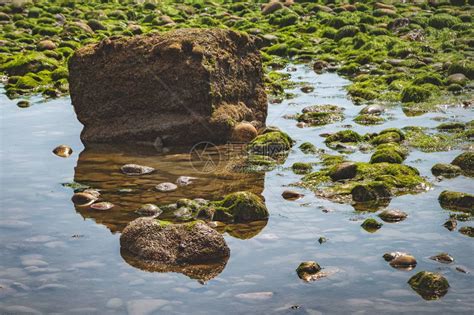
164 246
181 87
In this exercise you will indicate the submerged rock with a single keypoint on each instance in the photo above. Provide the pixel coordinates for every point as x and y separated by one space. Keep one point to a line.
166 187
429 285
102 206
135 169
393 215
120 97
444 258
451 224
63 151
309 271
83 199
149 210
186 248
457 201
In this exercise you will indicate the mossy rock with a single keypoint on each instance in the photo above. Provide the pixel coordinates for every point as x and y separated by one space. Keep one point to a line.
371 225
308 148
443 20
429 285
446 170
28 62
386 155
371 192
242 207
453 200
387 137
319 115
271 143
367 120
301 168
345 136
466 162
451 127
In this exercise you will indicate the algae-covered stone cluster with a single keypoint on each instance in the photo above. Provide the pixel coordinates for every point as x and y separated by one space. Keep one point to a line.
407 52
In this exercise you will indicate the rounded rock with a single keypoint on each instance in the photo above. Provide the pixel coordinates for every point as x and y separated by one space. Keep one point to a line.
166 187
244 132
83 199
403 261
291 195
149 209
102 206
444 258
345 170
307 270
429 285
185 180
135 169
393 215
63 151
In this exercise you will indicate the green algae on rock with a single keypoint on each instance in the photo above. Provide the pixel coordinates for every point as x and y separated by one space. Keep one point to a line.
371 225
453 200
370 182
429 285
240 207
301 168
389 153
319 115
272 143
465 161
446 170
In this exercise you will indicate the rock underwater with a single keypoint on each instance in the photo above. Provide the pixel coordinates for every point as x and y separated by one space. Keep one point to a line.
179 88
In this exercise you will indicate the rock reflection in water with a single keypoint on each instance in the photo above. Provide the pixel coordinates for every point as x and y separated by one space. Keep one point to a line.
99 168
201 272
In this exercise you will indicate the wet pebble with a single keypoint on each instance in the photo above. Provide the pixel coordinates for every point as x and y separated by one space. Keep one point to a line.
83 199
309 271
393 215
444 258
135 169
23 104
185 180
149 209
291 195
166 187
102 206
451 224
322 239
307 89
373 110
404 261
63 151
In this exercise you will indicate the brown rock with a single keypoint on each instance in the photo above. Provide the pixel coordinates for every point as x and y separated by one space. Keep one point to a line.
291 195
271 7
244 132
46 45
345 170
184 86
63 151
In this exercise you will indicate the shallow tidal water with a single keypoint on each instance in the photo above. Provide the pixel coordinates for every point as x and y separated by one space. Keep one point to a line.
58 259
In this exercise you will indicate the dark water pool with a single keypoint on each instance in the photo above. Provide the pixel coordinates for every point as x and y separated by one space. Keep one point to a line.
58 259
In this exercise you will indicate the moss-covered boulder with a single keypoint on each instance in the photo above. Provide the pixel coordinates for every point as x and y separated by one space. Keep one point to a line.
345 136
272 143
367 119
457 201
429 285
308 148
466 162
451 127
415 94
240 207
309 271
446 170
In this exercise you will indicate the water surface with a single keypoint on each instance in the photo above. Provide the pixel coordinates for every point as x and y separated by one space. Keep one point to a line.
58 259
